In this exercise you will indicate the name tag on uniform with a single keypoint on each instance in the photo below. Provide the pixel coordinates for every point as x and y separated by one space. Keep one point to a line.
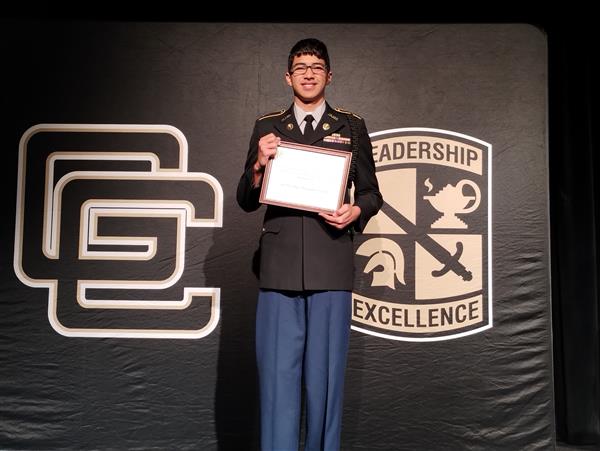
336 138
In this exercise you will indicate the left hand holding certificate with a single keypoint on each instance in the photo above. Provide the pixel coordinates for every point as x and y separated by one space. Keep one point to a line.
306 177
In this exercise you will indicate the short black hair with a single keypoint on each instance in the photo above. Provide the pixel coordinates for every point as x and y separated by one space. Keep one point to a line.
309 46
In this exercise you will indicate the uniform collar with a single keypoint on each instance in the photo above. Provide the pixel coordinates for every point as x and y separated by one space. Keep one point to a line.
317 113
288 125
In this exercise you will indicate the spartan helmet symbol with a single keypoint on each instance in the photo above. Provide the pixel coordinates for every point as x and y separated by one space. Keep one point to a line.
388 256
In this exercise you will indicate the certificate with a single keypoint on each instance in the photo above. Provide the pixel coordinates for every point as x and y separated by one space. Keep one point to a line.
306 177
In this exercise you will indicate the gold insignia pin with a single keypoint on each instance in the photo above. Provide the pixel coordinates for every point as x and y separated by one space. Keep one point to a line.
290 126
326 126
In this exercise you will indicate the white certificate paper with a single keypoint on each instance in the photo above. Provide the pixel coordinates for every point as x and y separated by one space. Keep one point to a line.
306 177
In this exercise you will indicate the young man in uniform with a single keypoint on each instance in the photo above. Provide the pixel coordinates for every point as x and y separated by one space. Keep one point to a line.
306 263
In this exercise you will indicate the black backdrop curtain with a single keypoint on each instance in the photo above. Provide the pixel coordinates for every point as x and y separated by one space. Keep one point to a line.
574 179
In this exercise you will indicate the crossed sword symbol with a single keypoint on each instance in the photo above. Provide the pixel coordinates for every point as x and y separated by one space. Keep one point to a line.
440 253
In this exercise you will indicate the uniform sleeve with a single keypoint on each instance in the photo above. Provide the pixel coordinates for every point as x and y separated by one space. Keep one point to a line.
366 187
248 195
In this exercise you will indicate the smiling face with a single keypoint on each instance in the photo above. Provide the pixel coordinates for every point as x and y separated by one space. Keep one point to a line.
309 87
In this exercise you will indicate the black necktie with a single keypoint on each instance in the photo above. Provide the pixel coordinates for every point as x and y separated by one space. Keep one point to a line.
309 131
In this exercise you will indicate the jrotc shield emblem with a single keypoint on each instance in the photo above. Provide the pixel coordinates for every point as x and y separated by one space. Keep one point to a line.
423 263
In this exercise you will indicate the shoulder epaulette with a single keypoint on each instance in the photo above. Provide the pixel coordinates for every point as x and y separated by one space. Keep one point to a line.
341 110
276 113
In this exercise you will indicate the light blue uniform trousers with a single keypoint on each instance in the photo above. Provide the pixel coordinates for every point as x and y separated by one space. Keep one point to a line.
302 334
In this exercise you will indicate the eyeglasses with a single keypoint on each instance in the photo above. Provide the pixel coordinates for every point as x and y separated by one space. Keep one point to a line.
317 69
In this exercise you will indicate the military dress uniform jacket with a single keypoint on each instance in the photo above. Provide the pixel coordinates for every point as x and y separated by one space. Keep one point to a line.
298 249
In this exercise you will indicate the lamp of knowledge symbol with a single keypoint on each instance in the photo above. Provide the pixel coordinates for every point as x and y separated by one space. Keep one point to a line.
450 201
